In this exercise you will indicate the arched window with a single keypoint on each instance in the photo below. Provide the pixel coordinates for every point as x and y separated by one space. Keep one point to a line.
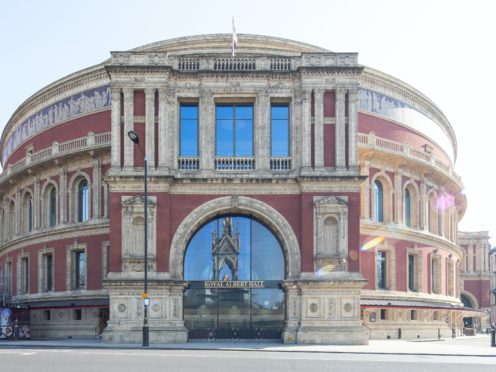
378 201
12 219
408 208
28 213
234 265
82 201
52 207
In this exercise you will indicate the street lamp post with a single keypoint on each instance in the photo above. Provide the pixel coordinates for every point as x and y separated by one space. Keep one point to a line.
133 136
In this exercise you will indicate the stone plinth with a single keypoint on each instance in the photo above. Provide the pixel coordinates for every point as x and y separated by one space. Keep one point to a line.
325 309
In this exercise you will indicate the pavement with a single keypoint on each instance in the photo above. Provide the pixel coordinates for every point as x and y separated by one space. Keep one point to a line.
479 345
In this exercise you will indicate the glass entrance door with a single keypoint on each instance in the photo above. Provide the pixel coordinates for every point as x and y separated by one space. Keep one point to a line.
234 314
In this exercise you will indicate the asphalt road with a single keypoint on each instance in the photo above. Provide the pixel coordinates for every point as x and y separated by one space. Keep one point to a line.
53 360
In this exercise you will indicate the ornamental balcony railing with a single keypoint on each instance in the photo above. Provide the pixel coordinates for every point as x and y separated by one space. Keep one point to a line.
280 163
234 163
188 163
91 141
403 149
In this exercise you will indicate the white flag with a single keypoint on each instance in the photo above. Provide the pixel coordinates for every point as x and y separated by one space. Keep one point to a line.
234 39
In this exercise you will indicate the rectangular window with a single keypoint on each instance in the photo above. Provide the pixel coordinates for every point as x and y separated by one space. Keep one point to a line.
411 273
383 314
279 130
80 270
24 275
46 315
413 314
77 315
188 129
48 272
234 130
381 270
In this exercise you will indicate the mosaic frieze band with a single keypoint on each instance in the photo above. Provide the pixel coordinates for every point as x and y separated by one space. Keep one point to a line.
82 103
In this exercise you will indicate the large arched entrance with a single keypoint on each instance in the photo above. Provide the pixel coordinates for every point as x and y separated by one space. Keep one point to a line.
234 265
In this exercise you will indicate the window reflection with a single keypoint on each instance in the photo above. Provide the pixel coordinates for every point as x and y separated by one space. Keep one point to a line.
234 248
234 130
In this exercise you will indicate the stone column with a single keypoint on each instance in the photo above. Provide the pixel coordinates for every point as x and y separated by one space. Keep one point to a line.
116 127
97 188
423 210
352 127
18 205
319 128
340 129
262 132
128 125
207 131
365 190
306 130
36 204
398 200
470 256
150 127
173 130
63 195
163 128
5 222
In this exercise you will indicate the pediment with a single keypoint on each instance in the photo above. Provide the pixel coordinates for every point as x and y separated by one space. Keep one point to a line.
331 200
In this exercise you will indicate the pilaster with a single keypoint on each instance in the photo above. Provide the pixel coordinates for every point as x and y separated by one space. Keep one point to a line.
97 187
306 130
63 195
36 204
352 127
423 203
398 200
128 125
207 131
150 126
116 127
365 190
163 130
263 132
340 129
319 128
18 230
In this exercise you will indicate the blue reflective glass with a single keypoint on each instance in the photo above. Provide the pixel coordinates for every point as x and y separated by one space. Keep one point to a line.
224 138
378 202
189 111
244 112
407 207
83 201
224 112
279 131
234 130
244 138
246 251
188 136
53 207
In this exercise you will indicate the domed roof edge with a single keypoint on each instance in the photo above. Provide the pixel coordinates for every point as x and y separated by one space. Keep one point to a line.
202 40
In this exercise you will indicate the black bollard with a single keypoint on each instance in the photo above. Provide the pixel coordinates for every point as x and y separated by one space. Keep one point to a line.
493 337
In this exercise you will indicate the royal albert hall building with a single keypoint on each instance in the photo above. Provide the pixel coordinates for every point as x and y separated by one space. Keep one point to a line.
293 194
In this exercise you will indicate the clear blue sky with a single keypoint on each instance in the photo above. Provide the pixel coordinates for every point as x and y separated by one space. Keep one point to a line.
446 49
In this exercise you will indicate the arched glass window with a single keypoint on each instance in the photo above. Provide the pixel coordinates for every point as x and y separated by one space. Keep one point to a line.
29 213
238 248
378 201
408 208
83 202
234 266
52 204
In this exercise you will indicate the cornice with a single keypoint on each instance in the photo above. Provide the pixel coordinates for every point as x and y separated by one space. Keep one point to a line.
60 232
417 237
